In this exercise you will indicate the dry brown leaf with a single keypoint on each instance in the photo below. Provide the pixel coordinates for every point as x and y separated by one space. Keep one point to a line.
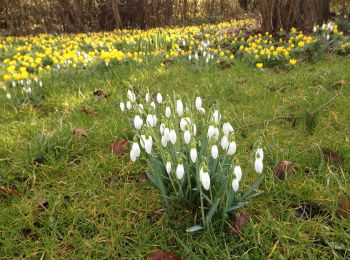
344 207
240 221
284 170
332 156
337 85
8 190
80 132
161 255
119 147
101 93
39 161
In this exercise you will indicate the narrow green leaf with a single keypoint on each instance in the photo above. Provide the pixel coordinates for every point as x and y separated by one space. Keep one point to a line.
212 210
252 188
238 206
194 229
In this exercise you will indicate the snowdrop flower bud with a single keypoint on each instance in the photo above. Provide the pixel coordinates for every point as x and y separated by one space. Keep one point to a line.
166 132
172 136
131 96
167 112
135 151
211 132
214 151
258 165
187 136
204 177
148 145
327 37
168 167
164 140
193 154
323 27
151 120
224 142
216 116
138 122
179 107
235 185
8 95
13 84
40 84
232 148
238 173
147 97
180 170
315 29
198 103
159 98
227 129
128 105
153 105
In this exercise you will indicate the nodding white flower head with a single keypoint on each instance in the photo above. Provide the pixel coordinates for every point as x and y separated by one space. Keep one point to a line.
162 128
235 185
328 37
214 151
238 172
131 96
148 142
135 151
324 27
198 103
315 29
190 57
211 132
224 142
216 116
168 167
179 107
8 95
259 154
148 97
232 147
151 120
172 136
138 122
193 153
153 105
40 84
258 165
180 170
187 136
164 140
128 105
204 177
167 112
159 98
13 84
227 129
185 122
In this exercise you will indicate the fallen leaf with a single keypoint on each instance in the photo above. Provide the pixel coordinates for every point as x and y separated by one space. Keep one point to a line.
119 147
39 161
80 132
42 203
284 170
101 93
332 156
337 85
307 210
161 255
344 207
8 190
240 221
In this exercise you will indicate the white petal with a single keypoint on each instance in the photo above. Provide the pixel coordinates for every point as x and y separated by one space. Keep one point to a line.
258 165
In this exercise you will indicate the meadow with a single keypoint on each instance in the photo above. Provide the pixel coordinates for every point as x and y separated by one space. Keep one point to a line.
64 194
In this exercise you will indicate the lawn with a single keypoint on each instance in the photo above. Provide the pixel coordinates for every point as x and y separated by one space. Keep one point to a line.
99 205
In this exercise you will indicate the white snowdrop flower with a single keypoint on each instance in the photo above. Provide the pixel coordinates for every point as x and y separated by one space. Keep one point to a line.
204 178
8 95
258 165
227 128
232 147
224 142
128 105
179 107
166 133
328 37
207 59
214 151
164 140
172 136
202 110
159 98
235 185
131 96
180 170
151 120
187 136
148 145
204 53
315 29
138 122
324 27
135 151
196 56
216 133
168 167
211 132
184 123
13 84
190 57
29 90
259 153
162 128
40 84
153 105
4 87
193 154
238 172
167 112
216 116
148 97
198 103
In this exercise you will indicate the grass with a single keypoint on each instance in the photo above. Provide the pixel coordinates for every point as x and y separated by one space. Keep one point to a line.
101 206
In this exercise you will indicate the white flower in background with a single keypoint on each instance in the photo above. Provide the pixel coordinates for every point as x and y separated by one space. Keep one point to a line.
211 132
328 37
258 165
40 84
172 136
214 151
135 151
187 136
167 112
190 57
131 96
324 27
8 95
198 103
216 133
168 167
13 84
224 142
164 140
148 144
179 107
180 170
235 185
151 120
122 106
238 172
159 98
227 129
138 122
315 29
185 122
204 177
148 98
232 147
128 105
216 117
153 105
193 153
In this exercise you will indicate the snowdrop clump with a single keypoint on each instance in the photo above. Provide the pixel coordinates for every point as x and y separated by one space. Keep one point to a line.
191 154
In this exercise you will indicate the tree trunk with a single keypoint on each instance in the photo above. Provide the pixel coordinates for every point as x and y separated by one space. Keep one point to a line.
244 5
116 14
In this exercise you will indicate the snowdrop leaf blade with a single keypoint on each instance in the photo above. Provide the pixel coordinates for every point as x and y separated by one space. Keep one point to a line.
212 210
252 188
238 206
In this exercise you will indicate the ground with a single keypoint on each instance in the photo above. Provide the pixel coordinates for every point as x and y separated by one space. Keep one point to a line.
102 206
